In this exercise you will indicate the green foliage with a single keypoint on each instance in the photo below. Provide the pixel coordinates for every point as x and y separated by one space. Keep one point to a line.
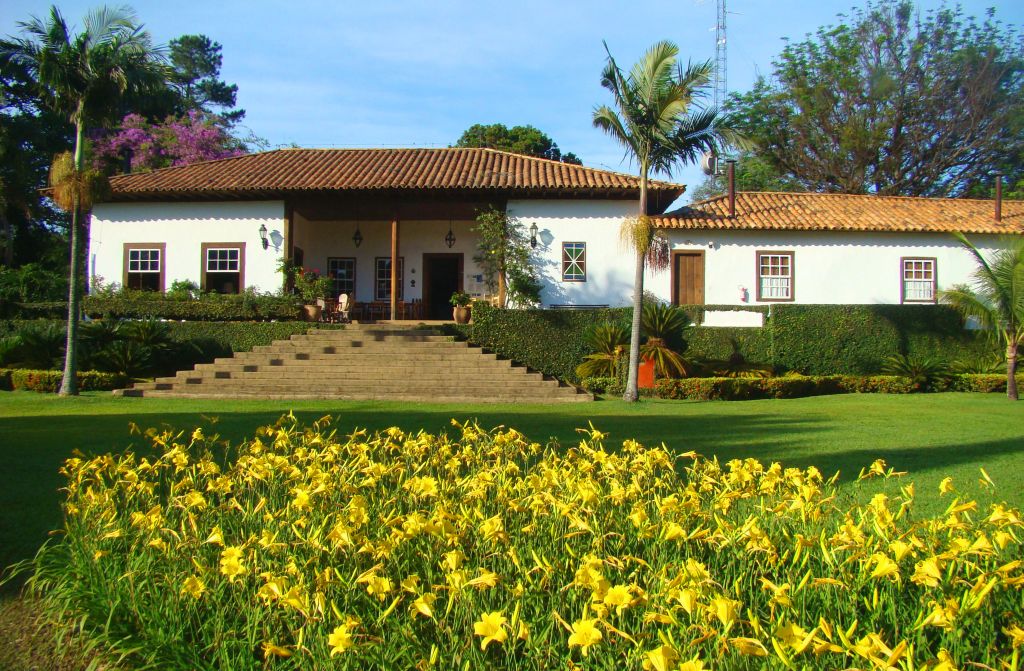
518 140
923 372
127 358
503 254
311 285
888 100
32 282
48 381
195 70
607 344
984 383
811 339
664 327
39 346
790 386
602 385
460 299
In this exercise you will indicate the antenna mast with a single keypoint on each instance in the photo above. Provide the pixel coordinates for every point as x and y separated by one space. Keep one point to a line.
721 60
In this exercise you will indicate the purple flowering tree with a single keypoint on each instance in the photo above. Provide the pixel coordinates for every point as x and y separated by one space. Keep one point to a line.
196 136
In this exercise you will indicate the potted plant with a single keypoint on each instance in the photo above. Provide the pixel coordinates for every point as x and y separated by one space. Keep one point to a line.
460 312
311 287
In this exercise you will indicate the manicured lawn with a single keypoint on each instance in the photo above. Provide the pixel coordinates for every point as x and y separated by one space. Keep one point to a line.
930 436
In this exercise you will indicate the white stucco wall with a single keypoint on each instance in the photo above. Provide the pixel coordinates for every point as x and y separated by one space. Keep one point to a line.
321 239
184 227
829 267
610 268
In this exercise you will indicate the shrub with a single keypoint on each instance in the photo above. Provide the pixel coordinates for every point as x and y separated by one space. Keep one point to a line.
599 384
923 372
485 550
788 386
38 346
984 383
49 380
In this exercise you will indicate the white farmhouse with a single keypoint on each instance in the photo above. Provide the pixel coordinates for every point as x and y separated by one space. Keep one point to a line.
392 227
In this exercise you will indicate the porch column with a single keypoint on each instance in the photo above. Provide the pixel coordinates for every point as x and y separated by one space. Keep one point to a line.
394 267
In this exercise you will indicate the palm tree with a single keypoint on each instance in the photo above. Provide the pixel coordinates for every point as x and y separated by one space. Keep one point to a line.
84 77
654 125
995 299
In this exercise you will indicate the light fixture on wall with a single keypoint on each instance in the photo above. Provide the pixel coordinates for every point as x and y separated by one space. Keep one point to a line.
533 235
357 238
263 236
450 238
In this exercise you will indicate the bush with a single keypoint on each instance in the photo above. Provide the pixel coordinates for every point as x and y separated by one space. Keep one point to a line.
984 383
49 380
599 384
483 550
128 304
788 386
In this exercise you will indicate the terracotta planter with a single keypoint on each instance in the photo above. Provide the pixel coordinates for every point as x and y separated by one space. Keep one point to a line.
311 313
460 313
645 375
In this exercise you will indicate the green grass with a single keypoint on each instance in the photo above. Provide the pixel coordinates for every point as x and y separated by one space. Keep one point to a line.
929 435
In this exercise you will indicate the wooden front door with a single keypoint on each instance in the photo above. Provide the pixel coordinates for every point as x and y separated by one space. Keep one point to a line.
688 278
442 276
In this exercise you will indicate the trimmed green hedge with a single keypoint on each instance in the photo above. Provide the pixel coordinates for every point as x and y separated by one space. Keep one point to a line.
800 386
147 304
550 341
810 339
48 381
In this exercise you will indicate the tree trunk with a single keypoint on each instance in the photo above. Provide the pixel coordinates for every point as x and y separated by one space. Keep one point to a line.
632 393
502 291
1011 371
69 384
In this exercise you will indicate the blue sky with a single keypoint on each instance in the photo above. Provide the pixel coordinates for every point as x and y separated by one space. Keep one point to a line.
403 74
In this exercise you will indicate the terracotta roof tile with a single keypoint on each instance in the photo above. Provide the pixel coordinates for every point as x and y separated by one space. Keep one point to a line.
845 212
291 170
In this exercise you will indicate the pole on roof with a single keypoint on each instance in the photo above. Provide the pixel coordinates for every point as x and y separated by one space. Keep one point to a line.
732 187
999 196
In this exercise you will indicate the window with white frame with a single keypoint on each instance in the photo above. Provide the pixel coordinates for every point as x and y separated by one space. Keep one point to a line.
382 275
775 276
144 267
574 262
342 271
223 267
919 280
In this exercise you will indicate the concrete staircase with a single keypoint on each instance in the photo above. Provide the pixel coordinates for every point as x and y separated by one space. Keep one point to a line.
365 362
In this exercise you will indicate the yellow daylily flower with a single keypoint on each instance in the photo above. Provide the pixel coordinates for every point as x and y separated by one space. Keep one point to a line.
662 658
490 627
341 640
193 587
231 563
584 635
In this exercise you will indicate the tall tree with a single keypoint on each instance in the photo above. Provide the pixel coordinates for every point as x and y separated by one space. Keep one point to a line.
892 102
30 135
518 140
995 299
83 76
654 124
195 75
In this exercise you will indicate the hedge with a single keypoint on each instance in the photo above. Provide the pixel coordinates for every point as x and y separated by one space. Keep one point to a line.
810 339
49 380
800 386
144 304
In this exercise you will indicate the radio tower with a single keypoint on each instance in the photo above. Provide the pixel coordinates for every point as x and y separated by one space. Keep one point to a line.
721 60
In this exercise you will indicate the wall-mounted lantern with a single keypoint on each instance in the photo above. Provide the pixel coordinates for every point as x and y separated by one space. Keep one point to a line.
450 238
263 236
357 238
533 235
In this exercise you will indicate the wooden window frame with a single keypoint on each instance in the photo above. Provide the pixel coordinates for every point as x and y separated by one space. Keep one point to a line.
240 246
401 278
903 280
792 274
159 246
566 264
351 294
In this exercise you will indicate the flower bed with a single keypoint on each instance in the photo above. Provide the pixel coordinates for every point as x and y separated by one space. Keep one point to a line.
485 550
48 381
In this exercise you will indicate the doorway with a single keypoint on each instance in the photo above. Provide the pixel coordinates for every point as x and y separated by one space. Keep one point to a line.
442 277
688 278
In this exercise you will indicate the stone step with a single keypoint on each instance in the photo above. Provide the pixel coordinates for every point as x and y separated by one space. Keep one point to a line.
372 362
366 396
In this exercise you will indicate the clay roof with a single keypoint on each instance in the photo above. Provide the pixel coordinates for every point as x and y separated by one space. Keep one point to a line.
844 212
306 170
